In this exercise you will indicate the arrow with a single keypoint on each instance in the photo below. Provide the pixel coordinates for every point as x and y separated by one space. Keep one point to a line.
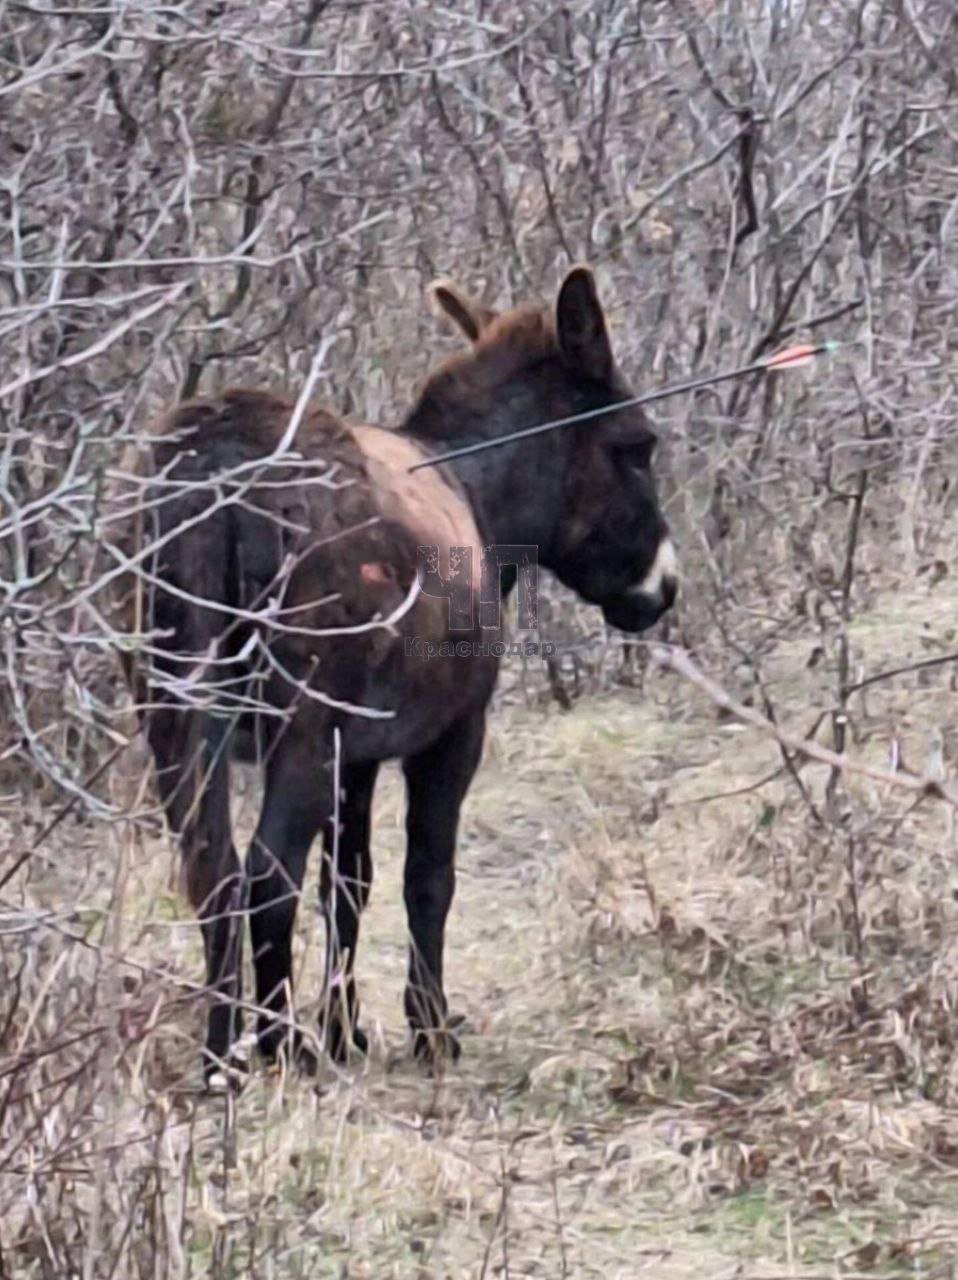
788 358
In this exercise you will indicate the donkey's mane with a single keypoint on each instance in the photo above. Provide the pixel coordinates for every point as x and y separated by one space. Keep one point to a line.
511 343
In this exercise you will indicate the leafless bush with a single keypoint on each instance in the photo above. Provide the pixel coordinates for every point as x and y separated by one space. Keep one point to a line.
195 195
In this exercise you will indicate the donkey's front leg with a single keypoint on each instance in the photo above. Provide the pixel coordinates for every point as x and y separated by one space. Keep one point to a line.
436 782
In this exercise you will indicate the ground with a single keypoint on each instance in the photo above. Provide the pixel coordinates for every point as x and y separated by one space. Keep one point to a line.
683 1055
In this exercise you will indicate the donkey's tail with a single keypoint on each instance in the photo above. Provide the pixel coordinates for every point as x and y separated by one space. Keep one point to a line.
184 682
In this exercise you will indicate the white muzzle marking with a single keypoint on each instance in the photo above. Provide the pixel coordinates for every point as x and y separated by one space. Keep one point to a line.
665 565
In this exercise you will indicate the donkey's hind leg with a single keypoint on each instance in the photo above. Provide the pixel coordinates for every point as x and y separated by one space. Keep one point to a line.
297 802
190 748
344 887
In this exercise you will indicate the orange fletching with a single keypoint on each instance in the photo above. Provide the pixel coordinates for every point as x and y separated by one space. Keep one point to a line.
792 357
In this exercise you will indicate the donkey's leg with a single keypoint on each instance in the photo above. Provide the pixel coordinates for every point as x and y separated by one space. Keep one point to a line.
436 781
344 886
190 748
298 801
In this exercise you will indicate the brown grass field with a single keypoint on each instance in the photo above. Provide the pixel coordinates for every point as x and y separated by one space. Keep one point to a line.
679 1061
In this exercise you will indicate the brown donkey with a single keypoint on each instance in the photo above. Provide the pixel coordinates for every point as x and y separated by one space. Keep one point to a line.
290 616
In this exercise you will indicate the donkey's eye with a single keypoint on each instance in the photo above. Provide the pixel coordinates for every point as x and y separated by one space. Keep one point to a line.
637 454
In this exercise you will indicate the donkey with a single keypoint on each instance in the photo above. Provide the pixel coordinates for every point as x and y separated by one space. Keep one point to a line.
290 619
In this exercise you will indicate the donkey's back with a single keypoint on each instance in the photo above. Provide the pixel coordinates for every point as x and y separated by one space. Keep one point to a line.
300 568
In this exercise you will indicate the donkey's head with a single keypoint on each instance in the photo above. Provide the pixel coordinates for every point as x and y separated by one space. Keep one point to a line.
583 494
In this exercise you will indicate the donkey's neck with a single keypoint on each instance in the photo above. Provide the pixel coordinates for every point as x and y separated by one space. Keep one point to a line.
513 494
516 490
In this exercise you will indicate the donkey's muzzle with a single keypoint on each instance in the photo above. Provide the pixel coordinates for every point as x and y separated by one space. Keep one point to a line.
642 605
638 610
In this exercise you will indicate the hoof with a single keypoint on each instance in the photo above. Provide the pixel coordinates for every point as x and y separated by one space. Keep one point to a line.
241 1052
228 1075
340 1040
340 1045
436 1047
278 1045
222 1081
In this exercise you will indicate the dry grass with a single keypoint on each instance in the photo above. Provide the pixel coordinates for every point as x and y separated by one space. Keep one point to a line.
668 1072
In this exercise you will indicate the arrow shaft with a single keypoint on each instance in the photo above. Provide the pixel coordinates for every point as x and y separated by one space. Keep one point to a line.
648 397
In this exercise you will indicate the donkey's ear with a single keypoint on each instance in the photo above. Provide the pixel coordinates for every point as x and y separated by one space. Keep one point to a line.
468 316
580 326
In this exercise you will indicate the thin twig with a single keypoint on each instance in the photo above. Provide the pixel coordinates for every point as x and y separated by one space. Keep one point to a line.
677 660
